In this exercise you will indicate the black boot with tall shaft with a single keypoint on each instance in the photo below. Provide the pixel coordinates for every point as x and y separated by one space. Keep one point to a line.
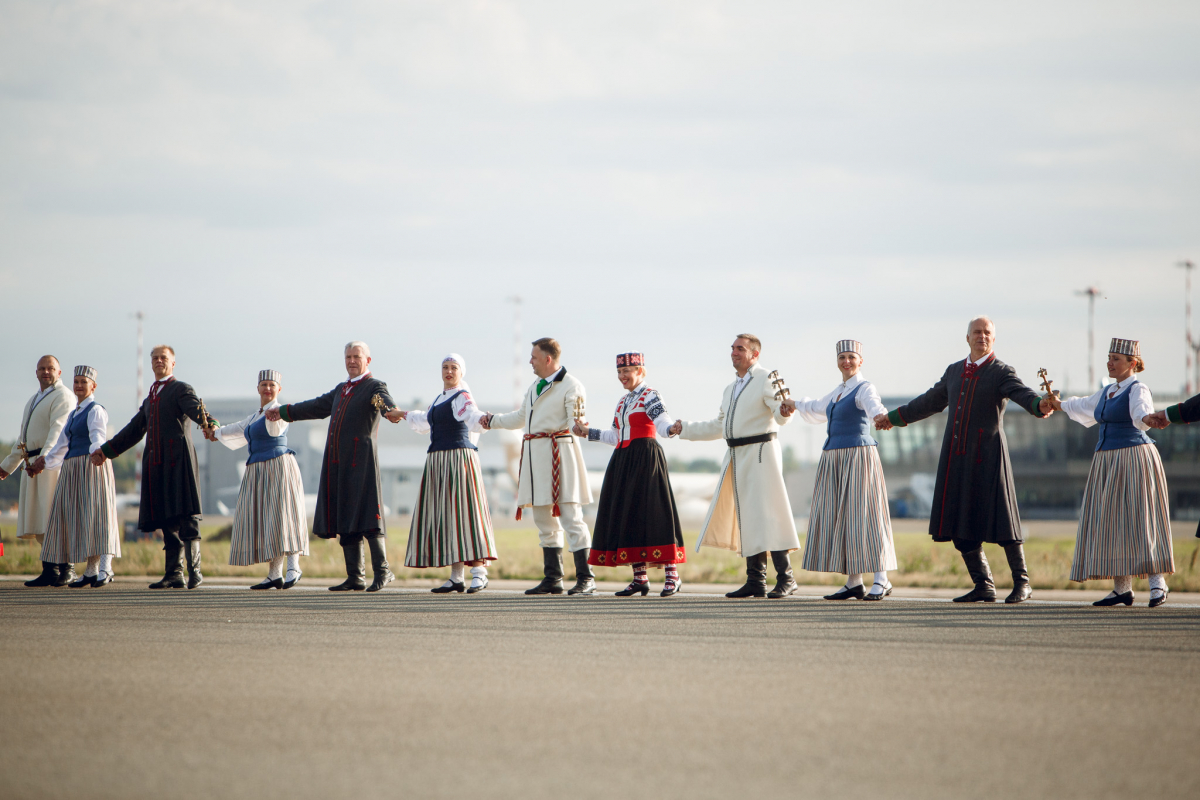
356 579
173 574
553 570
981 574
1021 591
585 581
193 564
48 577
756 578
785 584
382 574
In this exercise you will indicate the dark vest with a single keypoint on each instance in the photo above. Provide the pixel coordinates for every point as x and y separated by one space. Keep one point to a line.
262 445
847 424
446 432
79 441
1116 427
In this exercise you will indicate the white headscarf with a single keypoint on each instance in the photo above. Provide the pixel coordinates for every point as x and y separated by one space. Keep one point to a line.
462 371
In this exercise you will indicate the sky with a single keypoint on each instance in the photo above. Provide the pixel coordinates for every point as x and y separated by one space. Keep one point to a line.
268 180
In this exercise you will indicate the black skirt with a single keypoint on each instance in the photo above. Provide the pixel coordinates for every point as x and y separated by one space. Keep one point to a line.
636 519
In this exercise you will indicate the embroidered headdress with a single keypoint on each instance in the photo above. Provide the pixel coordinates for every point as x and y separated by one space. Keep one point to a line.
849 346
457 359
1126 347
87 372
631 360
270 375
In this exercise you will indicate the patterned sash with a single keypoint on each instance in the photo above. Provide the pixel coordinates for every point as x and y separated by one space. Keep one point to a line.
555 469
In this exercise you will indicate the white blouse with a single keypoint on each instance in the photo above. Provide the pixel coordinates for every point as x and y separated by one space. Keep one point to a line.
463 408
233 435
640 400
867 400
97 422
1141 403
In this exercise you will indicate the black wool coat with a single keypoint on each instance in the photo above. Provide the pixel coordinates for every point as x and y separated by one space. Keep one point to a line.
169 486
974 499
349 497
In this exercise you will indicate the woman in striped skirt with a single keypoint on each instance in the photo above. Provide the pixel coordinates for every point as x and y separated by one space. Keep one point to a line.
1124 524
269 524
452 525
849 527
83 513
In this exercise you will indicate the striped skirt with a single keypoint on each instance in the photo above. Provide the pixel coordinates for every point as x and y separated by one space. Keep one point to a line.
452 522
83 514
270 520
849 527
1124 525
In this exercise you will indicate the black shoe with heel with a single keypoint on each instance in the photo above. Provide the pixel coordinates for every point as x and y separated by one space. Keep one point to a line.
635 588
1124 599
853 593
453 587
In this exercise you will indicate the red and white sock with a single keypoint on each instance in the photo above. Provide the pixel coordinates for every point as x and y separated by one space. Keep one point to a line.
672 576
639 572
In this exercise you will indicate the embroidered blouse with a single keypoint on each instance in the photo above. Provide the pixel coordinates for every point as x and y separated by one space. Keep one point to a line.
640 414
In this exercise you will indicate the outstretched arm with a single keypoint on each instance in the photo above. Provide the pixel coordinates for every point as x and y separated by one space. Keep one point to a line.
317 408
932 402
1015 390
126 438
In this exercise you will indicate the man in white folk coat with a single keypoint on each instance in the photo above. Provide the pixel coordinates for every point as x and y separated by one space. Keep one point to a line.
41 422
750 513
553 478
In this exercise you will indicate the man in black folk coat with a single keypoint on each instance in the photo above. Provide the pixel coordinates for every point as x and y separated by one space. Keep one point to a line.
170 499
349 499
1184 413
974 500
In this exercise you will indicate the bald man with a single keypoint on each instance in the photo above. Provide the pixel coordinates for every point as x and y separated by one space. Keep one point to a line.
974 500
41 422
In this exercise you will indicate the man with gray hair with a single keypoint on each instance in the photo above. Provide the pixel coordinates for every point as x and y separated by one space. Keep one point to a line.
349 498
42 421
974 500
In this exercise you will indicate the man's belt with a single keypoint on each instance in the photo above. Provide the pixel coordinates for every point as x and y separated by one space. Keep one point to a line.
763 437
555 469
34 453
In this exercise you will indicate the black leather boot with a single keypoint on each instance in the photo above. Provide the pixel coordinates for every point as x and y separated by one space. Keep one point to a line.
585 580
382 575
785 584
356 579
193 563
1016 562
173 575
756 578
977 566
552 567
66 574
48 577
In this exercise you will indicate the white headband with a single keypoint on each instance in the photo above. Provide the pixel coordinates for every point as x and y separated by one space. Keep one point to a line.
457 359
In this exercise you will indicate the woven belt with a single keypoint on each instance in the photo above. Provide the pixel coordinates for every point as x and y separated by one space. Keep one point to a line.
555 469
764 437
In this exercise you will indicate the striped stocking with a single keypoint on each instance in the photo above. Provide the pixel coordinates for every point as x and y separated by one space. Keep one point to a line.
639 572
672 576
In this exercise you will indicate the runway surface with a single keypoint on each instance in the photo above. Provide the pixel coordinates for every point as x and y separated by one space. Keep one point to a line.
224 692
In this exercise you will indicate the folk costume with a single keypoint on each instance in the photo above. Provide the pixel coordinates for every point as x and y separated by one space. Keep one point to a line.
849 527
636 520
42 421
83 523
349 498
269 524
170 497
1125 522
974 500
750 513
452 523
1185 413
553 479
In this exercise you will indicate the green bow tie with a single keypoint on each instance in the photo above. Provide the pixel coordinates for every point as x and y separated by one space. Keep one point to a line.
542 384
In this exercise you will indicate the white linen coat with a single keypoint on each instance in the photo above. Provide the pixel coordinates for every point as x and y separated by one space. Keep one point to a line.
750 512
554 410
41 428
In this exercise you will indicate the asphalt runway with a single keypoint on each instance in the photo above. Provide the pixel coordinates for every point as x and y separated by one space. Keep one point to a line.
224 692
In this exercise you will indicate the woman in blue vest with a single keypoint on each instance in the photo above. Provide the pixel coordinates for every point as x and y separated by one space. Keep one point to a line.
270 524
1124 524
849 527
451 525
82 525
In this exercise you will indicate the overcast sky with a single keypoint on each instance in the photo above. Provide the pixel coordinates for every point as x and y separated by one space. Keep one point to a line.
269 180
